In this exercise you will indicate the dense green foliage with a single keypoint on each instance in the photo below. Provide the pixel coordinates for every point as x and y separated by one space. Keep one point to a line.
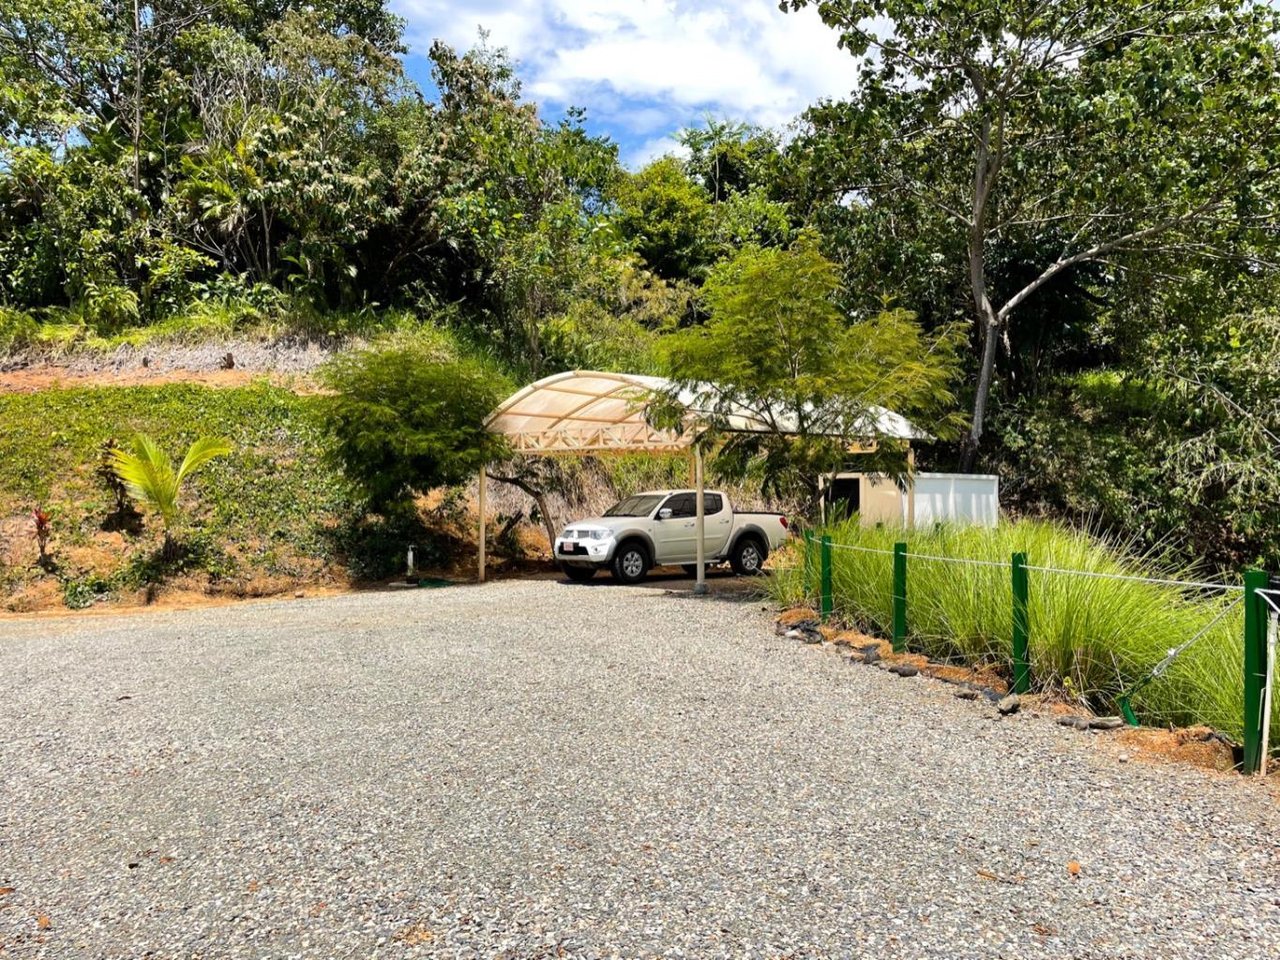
407 419
1093 639
1091 189
1035 142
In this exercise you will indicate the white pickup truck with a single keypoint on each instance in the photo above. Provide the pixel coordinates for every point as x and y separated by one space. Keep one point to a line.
658 528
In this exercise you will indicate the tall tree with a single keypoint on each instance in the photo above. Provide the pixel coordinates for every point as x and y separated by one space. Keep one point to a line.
1083 131
778 348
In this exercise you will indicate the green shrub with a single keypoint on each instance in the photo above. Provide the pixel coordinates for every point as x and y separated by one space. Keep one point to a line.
1092 637
407 417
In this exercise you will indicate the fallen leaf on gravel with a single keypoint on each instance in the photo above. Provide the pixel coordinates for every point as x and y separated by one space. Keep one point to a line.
1073 867
318 908
5 891
416 934
988 875
253 886
43 922
1043 930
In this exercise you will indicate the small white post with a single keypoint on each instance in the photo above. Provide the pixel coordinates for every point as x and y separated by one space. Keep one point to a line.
911 487
700 522
481 499
1266 691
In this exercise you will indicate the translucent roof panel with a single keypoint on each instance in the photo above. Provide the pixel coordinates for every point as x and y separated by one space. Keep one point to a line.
587 411
584 411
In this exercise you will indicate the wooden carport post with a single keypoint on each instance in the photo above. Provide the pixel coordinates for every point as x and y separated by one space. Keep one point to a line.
481 499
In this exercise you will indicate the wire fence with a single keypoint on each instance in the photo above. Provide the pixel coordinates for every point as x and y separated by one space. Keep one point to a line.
1048 627
1099 575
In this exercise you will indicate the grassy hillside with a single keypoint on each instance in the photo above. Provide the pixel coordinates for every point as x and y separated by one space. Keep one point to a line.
272 515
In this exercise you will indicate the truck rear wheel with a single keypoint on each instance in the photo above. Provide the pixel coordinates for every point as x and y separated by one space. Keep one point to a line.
630 562
747 557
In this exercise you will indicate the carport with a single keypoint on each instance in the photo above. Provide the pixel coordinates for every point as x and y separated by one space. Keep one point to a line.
590 413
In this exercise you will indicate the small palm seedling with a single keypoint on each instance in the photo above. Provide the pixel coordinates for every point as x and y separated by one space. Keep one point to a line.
148 475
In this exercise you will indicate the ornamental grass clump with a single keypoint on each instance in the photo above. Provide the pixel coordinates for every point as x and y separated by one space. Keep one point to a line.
1092 637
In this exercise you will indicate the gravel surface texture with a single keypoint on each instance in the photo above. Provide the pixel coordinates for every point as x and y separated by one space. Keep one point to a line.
534 769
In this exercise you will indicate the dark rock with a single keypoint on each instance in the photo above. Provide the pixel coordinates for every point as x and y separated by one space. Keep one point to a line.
870 654
1009 704
789 629
1082 723
904 670
1106 723
966 693
1067 721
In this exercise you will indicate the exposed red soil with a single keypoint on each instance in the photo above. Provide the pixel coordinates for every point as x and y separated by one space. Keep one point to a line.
35 379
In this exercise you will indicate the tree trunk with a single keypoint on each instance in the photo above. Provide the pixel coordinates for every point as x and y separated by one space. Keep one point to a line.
984 170
539 498
989 326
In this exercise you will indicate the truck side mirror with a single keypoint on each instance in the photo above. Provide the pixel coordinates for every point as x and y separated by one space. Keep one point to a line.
664 513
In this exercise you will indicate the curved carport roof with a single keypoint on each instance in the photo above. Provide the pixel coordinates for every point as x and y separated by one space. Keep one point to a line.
593 411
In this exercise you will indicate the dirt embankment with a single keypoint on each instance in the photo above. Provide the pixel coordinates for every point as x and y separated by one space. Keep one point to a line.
233 363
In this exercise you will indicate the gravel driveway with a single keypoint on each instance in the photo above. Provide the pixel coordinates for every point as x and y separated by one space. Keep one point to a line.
534 769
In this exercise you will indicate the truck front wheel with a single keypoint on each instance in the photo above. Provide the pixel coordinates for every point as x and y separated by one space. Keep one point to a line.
630 563
578 574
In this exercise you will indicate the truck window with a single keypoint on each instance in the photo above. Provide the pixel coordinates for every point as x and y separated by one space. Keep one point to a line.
680 504
638 506
712 503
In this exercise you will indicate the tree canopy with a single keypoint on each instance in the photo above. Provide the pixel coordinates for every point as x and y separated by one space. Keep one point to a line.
1052 143
777 345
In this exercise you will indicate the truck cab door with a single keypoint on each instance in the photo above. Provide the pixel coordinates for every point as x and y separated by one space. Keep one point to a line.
718 520
675 537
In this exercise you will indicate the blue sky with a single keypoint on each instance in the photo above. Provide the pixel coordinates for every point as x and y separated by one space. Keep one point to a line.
644 69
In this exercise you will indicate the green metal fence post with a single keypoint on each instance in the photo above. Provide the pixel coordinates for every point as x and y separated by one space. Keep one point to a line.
1021 625
826 604
1255 667
899 597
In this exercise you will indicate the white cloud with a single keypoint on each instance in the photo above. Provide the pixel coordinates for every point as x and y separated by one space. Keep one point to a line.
640 65
652 150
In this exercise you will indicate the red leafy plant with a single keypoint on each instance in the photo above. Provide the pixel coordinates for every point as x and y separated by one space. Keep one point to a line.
43 524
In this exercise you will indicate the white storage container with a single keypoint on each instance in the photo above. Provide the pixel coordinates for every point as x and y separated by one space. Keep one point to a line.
939 498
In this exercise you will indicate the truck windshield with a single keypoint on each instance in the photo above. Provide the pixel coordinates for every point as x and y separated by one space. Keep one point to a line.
640 505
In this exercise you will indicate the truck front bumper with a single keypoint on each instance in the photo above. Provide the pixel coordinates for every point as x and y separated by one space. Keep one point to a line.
587 553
